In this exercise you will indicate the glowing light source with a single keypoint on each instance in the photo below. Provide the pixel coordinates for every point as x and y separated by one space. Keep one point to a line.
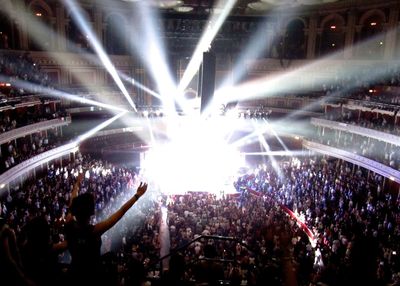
333 27
196 158
373 23
39 14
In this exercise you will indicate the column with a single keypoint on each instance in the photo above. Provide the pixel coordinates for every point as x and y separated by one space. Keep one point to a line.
98 24
312 36
60 27
391 33
20 24
350 34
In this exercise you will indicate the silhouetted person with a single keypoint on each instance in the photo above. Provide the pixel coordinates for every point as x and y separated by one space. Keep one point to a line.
136 273
84 239
39 254
209 271
11 271
176 272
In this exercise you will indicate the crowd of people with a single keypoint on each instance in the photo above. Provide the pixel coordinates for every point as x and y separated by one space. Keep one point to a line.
40 211
354 219
12 154
10 120
373 120
379 151
20 67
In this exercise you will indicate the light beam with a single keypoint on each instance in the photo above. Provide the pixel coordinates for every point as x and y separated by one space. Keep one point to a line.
86 30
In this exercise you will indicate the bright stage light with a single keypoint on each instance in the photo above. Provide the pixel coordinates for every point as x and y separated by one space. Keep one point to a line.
145 41
215 23
196 158
82 22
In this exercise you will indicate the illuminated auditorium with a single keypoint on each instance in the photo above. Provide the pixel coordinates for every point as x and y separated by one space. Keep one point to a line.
199 142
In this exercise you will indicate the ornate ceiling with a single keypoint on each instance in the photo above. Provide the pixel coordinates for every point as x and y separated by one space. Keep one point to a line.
242 7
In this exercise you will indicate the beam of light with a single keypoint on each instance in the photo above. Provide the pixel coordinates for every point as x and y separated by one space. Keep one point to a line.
151 133
276 135
277 153
145 41
134 82
102 125
260 41
215 23
36 29
251 137
265 145
298 79
86 30
35 88
195 158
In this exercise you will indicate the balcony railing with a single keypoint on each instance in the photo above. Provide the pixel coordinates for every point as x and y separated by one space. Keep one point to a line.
369 164
30 164
375 134
32 128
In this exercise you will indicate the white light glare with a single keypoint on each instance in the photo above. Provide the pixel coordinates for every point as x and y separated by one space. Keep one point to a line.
35 88
78 17
195 159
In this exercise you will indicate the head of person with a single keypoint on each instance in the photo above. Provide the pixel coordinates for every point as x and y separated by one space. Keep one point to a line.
38 231
83 207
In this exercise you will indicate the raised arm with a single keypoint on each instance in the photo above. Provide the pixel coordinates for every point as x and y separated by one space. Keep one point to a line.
75 189
74 193
105 225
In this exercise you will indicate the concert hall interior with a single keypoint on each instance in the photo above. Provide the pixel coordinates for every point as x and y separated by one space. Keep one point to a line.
199 142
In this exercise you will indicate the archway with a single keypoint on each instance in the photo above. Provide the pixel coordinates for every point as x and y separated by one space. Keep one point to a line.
332 36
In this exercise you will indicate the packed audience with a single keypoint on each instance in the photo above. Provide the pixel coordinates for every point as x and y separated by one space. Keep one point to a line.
34 144
353 218
382 152
373 120
12 120
20 67
49 197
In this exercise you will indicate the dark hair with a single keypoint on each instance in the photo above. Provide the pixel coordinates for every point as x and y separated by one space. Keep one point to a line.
83 206
37 230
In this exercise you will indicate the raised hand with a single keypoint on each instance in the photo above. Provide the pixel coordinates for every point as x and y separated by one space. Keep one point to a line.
141 189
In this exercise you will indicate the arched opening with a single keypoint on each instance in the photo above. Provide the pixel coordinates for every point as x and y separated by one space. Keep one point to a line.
294 46
76 37
371 39
40 39
9 34
331 39
115 35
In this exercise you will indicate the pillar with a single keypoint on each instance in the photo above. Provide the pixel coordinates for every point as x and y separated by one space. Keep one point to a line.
60 27
391 33
350 34
312 36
